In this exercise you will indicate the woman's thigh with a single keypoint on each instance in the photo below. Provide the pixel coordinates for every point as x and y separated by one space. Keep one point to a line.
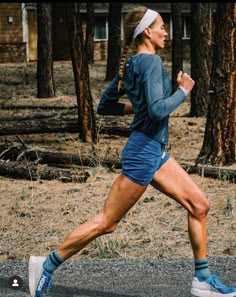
172 180
123 194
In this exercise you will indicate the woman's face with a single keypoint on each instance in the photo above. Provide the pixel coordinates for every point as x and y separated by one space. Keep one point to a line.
157 33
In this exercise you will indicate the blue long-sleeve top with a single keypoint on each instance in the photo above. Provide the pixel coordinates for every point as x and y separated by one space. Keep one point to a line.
149 88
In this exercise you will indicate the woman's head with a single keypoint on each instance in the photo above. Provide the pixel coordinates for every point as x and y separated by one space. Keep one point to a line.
156 33
139 24
136 20
131 22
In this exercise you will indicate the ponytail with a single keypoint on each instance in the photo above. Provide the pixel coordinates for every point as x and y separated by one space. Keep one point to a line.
121 66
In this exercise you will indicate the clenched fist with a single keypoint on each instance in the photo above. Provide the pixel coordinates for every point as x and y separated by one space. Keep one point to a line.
184 80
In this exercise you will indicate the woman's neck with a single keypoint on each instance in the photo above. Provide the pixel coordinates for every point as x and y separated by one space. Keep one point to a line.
145 49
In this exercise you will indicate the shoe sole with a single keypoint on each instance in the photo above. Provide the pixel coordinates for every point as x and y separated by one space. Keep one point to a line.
35 270
201 293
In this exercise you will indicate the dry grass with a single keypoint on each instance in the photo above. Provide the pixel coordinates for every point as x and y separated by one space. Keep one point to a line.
36 215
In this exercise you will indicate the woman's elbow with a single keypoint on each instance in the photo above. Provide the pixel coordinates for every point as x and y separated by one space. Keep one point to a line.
100 110
156 116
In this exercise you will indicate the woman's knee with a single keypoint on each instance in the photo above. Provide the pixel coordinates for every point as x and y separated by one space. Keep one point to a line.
201 207
105 226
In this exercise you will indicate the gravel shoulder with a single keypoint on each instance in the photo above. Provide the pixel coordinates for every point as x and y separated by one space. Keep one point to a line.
120 277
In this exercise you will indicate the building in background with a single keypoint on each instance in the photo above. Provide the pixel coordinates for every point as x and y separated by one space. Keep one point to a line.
18 31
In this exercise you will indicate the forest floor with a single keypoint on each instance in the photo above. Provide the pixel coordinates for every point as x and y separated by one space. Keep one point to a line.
37 215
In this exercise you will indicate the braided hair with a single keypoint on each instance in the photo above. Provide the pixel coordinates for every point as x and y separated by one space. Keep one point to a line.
131 21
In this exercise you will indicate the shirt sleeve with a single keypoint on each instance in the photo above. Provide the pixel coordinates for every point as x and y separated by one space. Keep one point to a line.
108 104
158 106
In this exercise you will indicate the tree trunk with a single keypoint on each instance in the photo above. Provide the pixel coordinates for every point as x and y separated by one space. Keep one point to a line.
114 40
201 57
177 48
86 118
89 40
45 80
219 139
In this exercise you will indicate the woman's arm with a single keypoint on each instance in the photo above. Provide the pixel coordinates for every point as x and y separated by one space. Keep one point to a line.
108 104
128 108
158 106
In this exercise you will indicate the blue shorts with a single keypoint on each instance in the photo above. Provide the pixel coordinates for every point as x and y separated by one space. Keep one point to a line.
141 157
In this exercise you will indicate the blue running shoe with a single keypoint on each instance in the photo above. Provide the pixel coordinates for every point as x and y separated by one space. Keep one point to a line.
39 279
211 287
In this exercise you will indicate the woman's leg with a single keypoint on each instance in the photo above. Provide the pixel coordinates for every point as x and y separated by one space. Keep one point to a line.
172 180
123 195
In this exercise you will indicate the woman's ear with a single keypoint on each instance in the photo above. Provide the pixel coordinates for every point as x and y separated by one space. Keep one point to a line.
147 32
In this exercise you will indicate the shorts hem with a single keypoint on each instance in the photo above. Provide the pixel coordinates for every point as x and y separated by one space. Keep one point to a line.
143 183
135 181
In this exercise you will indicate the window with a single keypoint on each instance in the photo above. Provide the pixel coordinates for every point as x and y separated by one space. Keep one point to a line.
101 28
31 5
10 19
186 26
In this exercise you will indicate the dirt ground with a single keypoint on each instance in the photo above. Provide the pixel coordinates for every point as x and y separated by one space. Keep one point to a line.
37 215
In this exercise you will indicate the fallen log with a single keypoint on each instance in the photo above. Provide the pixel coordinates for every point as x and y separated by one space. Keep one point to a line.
20 170
38 107
54 125
221 173
38 116
56 158
85 160
18 151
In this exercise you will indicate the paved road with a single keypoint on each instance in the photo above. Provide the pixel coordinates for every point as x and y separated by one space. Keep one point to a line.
119 277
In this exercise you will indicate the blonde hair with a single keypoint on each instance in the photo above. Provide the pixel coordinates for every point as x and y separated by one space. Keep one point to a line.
131 21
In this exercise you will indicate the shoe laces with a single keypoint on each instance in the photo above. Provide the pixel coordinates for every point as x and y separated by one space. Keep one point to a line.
216 283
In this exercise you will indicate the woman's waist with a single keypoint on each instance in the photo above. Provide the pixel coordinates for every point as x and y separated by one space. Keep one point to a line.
139 136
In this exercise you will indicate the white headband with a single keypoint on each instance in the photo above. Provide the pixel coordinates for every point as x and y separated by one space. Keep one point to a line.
146 21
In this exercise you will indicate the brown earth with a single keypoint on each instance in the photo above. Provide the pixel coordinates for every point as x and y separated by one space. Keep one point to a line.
36 215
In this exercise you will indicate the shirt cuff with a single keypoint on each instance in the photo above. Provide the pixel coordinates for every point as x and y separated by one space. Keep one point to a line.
184 90
111 109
